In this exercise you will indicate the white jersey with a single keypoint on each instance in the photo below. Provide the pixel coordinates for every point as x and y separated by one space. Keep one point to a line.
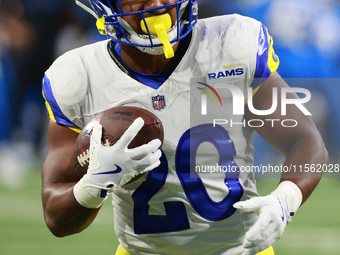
175 209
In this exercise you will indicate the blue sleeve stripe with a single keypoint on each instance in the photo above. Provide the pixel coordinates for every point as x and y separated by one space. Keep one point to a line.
262 71
59 117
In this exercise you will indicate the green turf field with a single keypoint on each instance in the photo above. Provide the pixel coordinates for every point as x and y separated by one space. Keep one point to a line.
315 229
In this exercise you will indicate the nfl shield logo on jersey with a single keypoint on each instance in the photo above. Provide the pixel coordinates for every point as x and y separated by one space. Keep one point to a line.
158 102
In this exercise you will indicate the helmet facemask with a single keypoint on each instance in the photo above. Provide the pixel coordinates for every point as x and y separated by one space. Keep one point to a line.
158 37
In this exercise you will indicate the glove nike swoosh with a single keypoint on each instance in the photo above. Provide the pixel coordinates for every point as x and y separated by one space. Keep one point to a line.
118 170
283 215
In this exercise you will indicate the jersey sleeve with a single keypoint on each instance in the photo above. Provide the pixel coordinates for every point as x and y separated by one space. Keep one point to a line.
53 110
267 61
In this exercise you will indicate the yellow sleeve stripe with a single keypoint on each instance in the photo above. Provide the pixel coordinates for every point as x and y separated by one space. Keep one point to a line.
51 115
273 59
49 109
78 130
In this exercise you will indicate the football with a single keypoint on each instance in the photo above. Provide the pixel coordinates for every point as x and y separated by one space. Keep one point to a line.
115 121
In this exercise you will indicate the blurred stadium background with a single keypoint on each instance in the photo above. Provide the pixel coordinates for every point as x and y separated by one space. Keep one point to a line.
35 32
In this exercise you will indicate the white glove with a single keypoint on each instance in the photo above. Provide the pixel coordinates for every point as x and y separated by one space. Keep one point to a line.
275 211
113 166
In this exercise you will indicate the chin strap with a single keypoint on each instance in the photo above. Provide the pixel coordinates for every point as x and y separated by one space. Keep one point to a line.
101 25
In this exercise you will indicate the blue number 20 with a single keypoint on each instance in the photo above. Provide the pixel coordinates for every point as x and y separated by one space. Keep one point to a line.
176 218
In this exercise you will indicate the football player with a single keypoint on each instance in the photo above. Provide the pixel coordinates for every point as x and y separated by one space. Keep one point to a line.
156 55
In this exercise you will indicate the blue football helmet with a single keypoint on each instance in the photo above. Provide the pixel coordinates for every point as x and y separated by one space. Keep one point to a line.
111 23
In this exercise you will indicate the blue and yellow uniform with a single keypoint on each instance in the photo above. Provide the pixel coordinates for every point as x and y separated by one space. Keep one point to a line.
167 211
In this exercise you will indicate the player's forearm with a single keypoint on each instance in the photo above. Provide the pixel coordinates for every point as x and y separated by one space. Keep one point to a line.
63 214
304 157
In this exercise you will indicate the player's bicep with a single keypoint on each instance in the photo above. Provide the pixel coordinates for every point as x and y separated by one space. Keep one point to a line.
58 165
275 129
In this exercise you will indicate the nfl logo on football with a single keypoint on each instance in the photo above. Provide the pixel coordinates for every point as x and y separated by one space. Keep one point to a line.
158 102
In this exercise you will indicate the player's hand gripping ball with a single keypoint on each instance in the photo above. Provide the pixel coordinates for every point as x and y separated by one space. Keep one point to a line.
115 122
